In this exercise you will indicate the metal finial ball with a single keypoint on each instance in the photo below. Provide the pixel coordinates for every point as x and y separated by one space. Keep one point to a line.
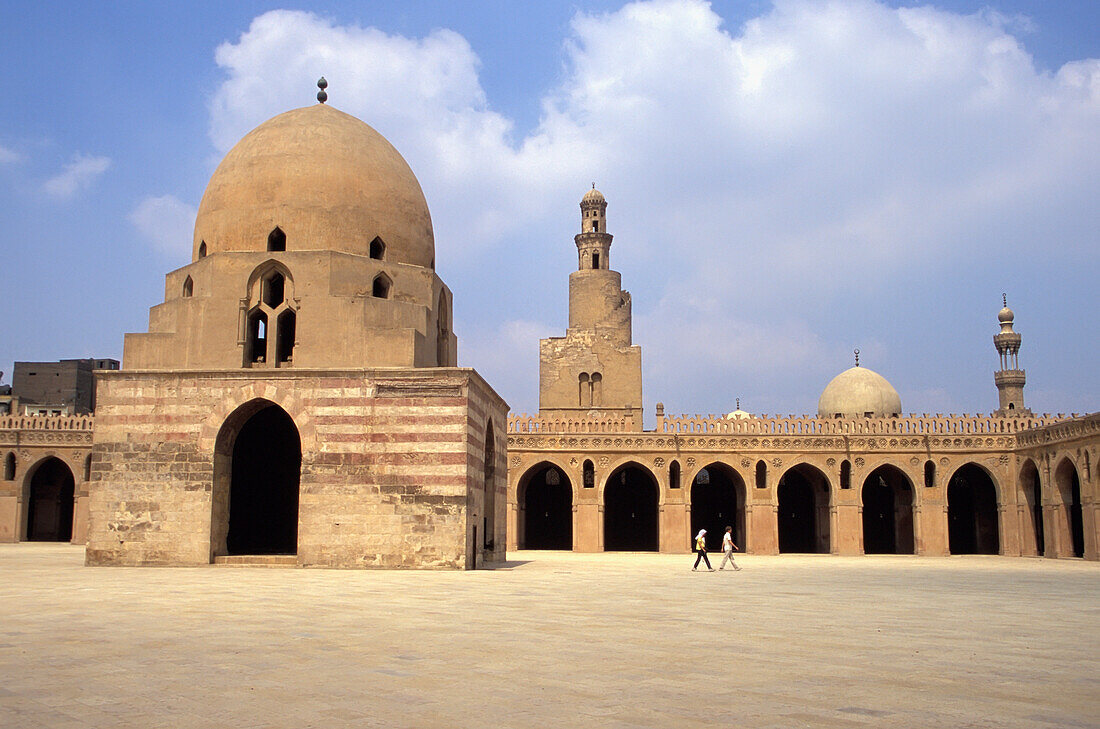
321 83
322 96
857 357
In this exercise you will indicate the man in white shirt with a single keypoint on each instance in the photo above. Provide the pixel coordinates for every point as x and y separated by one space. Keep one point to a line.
728 546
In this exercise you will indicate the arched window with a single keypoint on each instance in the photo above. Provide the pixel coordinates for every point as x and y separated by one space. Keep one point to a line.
256 344
929 474
9 467
202 249
378 249
443 333
597 389
273 290
276 240
846 474
381 288
703 476
589 475
188 287
674 475
595 261
761 474
284 338
584 390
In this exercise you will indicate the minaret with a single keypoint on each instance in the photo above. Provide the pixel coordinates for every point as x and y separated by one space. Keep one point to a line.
1010 378
594 369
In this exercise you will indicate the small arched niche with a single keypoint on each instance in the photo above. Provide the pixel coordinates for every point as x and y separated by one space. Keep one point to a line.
202 249
380 289
188 287
378 249
276 240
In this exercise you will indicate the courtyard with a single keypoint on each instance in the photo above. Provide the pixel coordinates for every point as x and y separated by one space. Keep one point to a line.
552 639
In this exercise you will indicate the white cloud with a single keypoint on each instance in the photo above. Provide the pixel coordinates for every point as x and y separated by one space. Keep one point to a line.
8 156
820 162
77 175
167 224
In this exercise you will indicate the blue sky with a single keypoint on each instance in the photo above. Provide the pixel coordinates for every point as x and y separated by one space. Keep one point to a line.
786 182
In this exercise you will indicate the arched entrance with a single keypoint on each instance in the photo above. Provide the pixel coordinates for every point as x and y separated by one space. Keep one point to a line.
630 510
972 512
50 495
803 510
887 512
1033 536
718 501
258 463
545 497
1069 493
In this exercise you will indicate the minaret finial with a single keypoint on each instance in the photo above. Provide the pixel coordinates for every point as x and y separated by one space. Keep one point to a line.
593 185
857 357
738 403
1004 298
321 95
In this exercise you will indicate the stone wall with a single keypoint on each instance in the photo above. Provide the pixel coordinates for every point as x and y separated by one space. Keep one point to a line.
386 463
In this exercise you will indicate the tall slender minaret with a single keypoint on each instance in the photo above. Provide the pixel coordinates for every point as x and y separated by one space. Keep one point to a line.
594 369
1009 378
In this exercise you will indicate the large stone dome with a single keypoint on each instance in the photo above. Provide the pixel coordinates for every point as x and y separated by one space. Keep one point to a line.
327 180
857 392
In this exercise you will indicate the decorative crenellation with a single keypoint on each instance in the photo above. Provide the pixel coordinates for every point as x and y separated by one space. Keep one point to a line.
47 422
1061 431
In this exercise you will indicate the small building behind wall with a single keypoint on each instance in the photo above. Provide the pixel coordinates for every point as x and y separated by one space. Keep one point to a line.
296 397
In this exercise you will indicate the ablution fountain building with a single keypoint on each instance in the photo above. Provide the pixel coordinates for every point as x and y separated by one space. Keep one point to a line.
296 400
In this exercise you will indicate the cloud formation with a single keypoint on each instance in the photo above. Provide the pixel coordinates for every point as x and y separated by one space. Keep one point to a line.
770 187
8 156
77 175
167 223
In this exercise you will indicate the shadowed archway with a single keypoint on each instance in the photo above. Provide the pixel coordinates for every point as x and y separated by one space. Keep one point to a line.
50 494
545 497
887 512
1069 495
718 501
972 524
630 510
803 510
1033 538
257 469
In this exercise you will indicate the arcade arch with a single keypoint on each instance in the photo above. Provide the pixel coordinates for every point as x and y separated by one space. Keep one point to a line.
972 523
887 499
1068 492
49 495
1033 540
630 510
803 510
717 500
544 496
257 471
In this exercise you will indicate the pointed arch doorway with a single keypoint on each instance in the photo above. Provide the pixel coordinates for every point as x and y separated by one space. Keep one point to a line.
50 496
257 470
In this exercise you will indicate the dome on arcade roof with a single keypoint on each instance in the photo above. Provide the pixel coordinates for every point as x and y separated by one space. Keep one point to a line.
859 392
327 180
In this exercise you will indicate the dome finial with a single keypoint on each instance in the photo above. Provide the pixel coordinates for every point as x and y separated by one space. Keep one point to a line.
321 95
738 403
1004 298
857 357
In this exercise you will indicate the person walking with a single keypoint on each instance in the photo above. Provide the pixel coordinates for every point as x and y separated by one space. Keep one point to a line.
701 548
727 547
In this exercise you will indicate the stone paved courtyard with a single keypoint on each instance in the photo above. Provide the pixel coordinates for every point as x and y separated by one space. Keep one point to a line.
553 640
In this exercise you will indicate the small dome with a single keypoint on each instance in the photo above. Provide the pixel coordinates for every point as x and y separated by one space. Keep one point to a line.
738 415
327 180
593 196
857 392
1005 316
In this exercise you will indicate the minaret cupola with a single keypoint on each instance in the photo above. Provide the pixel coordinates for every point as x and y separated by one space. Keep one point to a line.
593 242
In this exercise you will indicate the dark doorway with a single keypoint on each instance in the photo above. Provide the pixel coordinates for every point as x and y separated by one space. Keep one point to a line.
263 496
803 511
546 499
630 511
1069 488
50 502
887 512
1029 483
972 512
717 500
